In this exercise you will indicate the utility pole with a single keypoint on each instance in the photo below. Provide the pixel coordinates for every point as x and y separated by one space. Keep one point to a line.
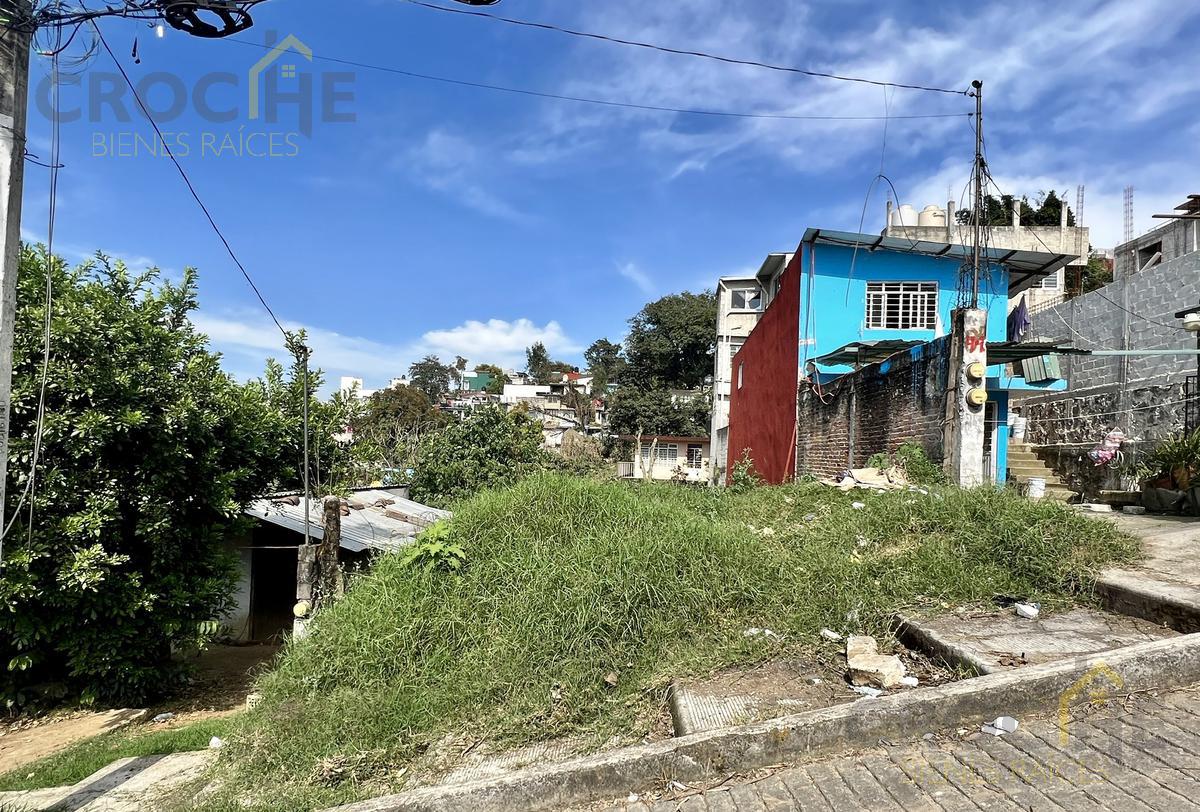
14 90
977 237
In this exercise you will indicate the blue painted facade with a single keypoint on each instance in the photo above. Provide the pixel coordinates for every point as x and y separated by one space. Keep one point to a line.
833 313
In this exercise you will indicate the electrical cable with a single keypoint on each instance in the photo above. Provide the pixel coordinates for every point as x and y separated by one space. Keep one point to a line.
587 100
682 52
188 182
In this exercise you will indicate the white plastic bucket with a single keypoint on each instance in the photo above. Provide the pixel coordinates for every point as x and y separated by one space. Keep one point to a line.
1018 428
1037 487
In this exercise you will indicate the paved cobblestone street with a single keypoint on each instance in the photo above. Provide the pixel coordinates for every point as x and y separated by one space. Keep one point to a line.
1137 754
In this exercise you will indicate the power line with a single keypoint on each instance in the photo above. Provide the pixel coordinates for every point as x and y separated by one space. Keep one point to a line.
187 181
682 52
587 100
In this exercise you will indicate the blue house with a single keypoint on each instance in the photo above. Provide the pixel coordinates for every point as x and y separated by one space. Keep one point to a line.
846 301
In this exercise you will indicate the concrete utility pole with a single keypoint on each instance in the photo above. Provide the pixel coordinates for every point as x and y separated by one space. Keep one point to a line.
14 90
977 237
329 576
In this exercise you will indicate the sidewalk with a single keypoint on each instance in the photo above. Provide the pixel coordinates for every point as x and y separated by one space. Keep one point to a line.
1165 588
1137 754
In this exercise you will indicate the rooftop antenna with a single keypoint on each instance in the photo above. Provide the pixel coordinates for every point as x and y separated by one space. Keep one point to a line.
1128 213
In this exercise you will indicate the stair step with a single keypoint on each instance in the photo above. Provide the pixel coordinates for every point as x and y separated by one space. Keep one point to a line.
126 784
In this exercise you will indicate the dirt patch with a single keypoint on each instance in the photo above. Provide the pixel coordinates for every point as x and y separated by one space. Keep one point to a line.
27 740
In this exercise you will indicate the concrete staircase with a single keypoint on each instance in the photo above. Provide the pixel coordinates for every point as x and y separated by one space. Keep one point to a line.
127 785
1024 464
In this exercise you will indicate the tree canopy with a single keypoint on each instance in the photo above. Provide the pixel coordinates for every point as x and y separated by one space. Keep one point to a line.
496 385
671 341
655 411
605 361
149 452
1045 210
431 376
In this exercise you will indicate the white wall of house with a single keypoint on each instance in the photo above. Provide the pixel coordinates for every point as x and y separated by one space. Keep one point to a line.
665 461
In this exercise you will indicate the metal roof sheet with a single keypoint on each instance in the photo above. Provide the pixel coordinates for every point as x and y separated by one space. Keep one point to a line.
866 352
377 520
1024 267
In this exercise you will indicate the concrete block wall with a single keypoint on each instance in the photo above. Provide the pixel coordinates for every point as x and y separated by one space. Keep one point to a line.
875 409
1137 394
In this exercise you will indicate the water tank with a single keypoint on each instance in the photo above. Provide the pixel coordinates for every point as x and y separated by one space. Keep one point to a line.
904 215
932 215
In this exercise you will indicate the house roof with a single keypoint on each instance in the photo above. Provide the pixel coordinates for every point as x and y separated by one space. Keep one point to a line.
862 353
1024 267
649 438
378 520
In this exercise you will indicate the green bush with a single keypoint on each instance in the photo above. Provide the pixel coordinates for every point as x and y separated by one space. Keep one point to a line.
149 452
489 447
571 579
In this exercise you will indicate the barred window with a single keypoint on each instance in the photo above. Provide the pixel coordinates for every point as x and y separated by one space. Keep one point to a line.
902 305
1047 282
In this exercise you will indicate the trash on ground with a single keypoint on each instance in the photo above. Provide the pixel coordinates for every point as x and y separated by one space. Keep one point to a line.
866 666
866 690
215 743
831 635
1134 510
1027 610
252 700
810 517
888 479
911 682
814 680
1001 725
163 717
611 679
754 631
1095 507
857 505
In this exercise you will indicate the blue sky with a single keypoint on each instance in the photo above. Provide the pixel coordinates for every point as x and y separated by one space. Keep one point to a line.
461 221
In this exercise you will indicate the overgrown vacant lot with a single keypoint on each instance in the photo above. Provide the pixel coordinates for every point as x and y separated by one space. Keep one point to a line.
569 580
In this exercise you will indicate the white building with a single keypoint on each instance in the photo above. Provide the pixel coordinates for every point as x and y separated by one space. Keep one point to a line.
350 385
741 301
669 459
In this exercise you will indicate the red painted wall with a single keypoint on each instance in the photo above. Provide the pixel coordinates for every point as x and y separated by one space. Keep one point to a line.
762 412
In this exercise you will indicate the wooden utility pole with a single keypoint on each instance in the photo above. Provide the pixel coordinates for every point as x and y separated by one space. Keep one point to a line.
14 90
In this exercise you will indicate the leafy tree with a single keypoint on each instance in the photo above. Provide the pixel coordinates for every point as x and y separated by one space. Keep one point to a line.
671 342
605 362
460 366
1097 274
537 363
489 447
1046 210
405 406
654 411
431 376
389 431
149 451
496 386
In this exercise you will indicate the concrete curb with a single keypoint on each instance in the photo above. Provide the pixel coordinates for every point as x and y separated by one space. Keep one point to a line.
1128 592
700 757
911 633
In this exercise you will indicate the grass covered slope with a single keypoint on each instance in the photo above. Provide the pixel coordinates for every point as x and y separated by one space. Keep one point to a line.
568 580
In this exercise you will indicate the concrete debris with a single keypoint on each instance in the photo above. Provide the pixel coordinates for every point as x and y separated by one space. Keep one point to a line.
1027 610
866 691
1001 725
866 666
911 682
215 743
888 479
163 717
754 631
1134 510
831 636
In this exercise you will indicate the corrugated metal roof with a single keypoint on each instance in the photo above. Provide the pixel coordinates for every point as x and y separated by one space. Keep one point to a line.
1024 267
377 520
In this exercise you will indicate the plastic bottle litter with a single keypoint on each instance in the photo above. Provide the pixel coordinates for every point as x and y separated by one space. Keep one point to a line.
911 682
754 631
1027 610
163 717
1001 725
831 635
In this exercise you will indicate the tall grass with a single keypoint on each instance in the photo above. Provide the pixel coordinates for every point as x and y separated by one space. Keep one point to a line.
569 580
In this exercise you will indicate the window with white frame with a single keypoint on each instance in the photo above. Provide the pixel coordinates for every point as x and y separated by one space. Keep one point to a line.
745 299
695 456
1047 282
663 452
902 305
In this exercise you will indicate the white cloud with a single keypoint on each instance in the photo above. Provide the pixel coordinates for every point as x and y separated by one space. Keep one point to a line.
637 276
248 339
454 166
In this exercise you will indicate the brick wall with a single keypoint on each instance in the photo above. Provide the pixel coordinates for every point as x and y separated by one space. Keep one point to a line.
878 408
1138 394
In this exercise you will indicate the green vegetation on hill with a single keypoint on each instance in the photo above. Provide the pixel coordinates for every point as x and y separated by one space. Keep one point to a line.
568 580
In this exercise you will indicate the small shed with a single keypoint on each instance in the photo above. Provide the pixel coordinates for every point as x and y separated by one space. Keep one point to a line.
373 522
